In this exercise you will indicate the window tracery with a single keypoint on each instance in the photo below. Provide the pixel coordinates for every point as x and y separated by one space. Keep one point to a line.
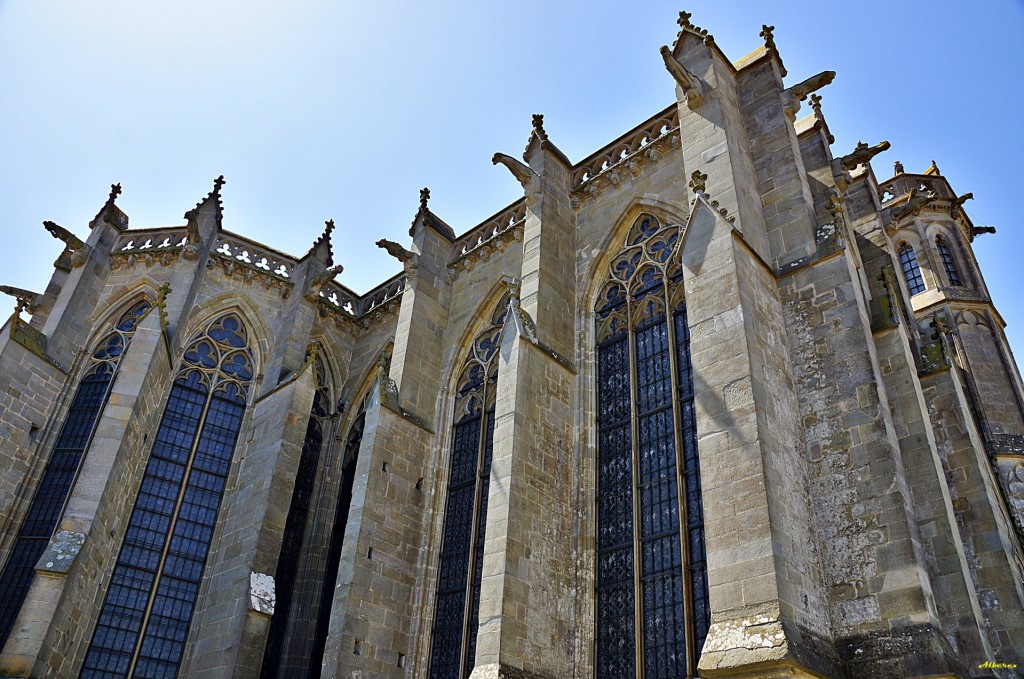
911 269
457 604
652 596
68 452
948 262
288 611
148 606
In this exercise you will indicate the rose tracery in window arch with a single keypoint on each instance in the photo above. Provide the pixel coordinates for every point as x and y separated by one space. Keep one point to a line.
652 596
148 606
457 604
68 452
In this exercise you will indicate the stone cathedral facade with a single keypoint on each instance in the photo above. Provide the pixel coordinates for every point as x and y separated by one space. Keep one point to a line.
714 400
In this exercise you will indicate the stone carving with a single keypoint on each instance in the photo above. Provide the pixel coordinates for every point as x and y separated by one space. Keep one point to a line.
958 203
687 81
792 96
897 167
262 597
768 33
409 259
317 283
26 299
519 170
978 230
192 238
75 247
698 181
917 200
386 386
862 154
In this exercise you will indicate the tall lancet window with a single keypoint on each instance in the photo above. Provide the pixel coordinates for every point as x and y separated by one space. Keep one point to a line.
948 263
911 269
72 442
652 593
148 606
292 610
457 605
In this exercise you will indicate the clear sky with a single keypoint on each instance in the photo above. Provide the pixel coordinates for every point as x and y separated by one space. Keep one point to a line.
319 109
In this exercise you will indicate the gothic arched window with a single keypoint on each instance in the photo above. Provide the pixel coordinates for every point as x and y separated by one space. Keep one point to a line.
74 438
948 263
457 605
652 593
911 270
148 605
292 611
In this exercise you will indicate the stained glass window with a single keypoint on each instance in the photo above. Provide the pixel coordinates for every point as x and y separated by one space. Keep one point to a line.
286 612
148 606
48 503
652 601
911 270
453 647
948 263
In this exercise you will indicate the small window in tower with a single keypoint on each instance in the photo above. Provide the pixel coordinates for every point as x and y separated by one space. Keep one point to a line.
948 263
911 270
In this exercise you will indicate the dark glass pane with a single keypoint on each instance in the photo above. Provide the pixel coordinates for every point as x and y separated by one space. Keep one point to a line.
911 270
453 571
481 526
948 263
616 632
48 502
291 543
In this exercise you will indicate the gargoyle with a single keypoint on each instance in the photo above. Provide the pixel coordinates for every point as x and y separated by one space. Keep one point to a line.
958 202
317 283
792 96
192 238
686 80
76 247
978 230
521 171
408 258
862 154
918 199
27 300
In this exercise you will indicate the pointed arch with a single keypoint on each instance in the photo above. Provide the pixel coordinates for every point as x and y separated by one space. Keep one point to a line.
147 609
106 349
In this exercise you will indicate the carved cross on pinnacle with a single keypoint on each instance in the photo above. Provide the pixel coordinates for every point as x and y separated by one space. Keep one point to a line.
538 125
328 227
684 19
816 103
698 181
424 197
217 183
767 32
115 191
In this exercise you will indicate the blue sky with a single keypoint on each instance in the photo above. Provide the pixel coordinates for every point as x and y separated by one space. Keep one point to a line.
320 109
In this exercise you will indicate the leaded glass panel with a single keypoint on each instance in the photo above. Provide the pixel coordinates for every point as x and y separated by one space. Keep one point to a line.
146 612
650 548
911 269
948 262
68 452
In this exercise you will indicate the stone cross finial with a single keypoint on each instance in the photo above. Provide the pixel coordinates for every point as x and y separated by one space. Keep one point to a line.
684 19
768 33
424 197
328 227
115 191
218 183
816 103
538 125
897 167
698 181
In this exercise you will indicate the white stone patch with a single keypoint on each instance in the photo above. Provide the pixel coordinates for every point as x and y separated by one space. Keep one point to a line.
713 152
261 593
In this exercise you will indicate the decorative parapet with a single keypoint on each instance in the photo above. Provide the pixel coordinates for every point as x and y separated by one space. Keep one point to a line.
493 235
148 246
243 259
641 144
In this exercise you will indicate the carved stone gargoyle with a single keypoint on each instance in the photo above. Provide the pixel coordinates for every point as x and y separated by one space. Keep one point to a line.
792 96
978 230
689 83
958 203
918 199
76 248
317 283
519 170
192 237
861 154
27 300
408 258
